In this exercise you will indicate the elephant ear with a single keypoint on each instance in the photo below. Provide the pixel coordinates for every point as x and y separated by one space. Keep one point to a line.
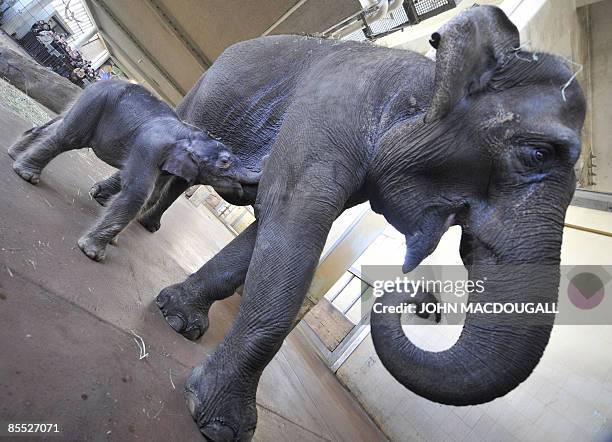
178 160
468 47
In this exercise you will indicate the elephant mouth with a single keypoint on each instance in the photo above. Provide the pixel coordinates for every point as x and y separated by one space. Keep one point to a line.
476 245
434 222
471 247
484 238
227 186
422 243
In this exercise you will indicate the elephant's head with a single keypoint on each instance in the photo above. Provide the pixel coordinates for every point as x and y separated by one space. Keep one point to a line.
200 159
495 154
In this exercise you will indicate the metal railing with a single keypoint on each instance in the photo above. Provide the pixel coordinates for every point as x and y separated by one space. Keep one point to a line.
419 10
411 13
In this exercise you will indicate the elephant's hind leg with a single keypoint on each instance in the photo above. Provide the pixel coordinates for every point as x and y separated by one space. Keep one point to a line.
185 306
32 158
69 131
28 138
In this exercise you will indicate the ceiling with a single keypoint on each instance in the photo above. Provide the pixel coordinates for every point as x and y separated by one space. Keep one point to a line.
168 44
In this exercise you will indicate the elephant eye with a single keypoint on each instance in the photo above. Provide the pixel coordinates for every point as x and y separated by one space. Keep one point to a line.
538 156
224 162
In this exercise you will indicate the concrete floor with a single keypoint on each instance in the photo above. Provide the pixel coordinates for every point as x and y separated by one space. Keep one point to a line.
67 352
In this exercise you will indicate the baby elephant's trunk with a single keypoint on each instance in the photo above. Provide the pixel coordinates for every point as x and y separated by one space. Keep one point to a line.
246 176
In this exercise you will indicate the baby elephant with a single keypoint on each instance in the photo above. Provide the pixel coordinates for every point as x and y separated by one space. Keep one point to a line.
131 130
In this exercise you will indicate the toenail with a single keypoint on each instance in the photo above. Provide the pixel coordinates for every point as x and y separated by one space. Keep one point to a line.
217 432
191 402
175 322
161 301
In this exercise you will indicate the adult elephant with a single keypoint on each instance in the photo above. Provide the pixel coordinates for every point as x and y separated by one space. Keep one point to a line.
486 137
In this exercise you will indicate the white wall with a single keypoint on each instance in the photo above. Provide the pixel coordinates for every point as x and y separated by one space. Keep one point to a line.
601 79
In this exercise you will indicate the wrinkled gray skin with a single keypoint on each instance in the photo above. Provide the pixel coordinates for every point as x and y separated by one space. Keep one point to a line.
481 138
137 133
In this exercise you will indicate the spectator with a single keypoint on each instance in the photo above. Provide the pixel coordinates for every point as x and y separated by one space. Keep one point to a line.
57 54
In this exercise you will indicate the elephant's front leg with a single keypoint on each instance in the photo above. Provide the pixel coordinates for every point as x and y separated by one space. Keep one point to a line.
104 190
151 218
135 189
220 392
185 306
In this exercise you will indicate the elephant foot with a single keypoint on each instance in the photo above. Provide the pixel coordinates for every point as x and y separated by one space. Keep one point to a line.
29 173
92 248
152 225
100 194
185 315
222 405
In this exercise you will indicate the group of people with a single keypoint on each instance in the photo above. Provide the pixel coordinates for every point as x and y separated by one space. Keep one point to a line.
66 60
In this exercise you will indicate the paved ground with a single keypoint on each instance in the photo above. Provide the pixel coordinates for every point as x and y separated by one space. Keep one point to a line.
67 354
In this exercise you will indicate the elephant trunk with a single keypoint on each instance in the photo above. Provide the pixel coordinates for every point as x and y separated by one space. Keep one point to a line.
495 352
246 176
